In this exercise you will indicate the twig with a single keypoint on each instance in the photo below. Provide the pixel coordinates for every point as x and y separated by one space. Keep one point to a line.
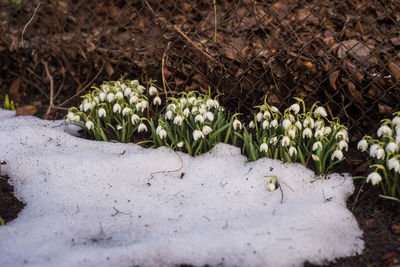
117 211
77 211
23 31
152 174
162 70
51 104
215 21
358 194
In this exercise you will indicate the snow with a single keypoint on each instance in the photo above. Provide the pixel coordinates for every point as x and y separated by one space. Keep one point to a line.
93 203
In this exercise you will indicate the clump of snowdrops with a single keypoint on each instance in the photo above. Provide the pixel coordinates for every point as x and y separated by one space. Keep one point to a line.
385 154
194 122
296 135
117 109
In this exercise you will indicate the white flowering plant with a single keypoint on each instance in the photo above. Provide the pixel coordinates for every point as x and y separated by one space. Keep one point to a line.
116 110
193 123
296 135
385 155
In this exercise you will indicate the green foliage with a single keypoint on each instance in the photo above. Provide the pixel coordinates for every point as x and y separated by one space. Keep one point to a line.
8 104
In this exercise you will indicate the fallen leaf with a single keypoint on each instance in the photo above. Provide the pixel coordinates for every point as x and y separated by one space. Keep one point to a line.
354 92
109 68
369 223
14 89
396 229
355 49
332 79
385 109
26 110
395 70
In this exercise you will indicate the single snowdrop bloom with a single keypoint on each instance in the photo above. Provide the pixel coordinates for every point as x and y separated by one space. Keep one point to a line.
70 117
394 164
338 154
119 127
343 145
96 101
195 110
397 141
320 111
197 134
286 124
192 100
327 130
133 98
134 118
210 103
209 116
186 112
178 120
298 125
237 124
119 95
271 186
145 104
117 108
259 116
396 121
183 101
372 150
374 178
105 88
380 153
292 132
126 111
342 134
252 125
141 88
319 133
362 145
142 127
292 151
202 110
317 145
77 118
127 91
199 118
265 124
397 130
206 130
86 106
319 124
308 122
274 109
102 96
315 157
180 144
274 140
110 97
384 130
267 115
285 141
291 118
216 104
295 108
168 115
162 134
157 100
274 123
102 112
391 147
135 83
152 90
307 133
264 147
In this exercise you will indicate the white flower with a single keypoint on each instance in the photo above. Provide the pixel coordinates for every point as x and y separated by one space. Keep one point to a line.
319 124
271 186
77 118
168 115
396 121
134 118
180 144
197 134
319 133
397 140
252 125
171 107
265 124
216 104
274 109
206 130
285 141
102 112
259 116
380 153
210 103
178 120
135 83
292 132
343 145
202 110
192 100
320 111
89 125
119 127
70 117
126 111
374 178
209 116
292 151
157 100
96 100
195 110
127 91
295 108
391 147
337 154
141 88
110 97
133 98
373 149
267 115
183 102
186 112
384 130
162 133
237 124
102 96
119 95
274 123
298 125
286 124
307 133
86 106
199 118
362 145
105 88
152 90
394 164
142 127
342 134
144 103
274 140
117 108
327 130
308 122
317 145
315 157
263 147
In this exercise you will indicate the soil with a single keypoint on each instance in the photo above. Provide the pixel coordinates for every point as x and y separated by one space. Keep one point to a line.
10 206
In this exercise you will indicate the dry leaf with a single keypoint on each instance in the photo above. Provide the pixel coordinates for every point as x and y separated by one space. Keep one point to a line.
14 89
26 110
395 70
385 109
354 92
354 48
109 68
332 79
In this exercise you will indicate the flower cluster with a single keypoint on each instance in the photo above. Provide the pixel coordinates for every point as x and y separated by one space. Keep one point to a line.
296 135
193 123
116 110
385 153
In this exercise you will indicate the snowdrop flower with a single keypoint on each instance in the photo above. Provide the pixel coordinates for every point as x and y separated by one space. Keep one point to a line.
237 124
110 97
398 140
384 130
139 106
342 134
271 186
259 116
197 134
202 110
186 112
178 120
216 104
119 95
141 88
152 90
142 127
292 132
394 164
265 124
162 133
119 127
362 145
308 122
180 144
70 117
372 150
105 88
396 121
274 109
319 124
285 141
286 124
192 100
307 133
183 101
134 118
77 118
87 106
374 178
317 145
168 115
194 110
126 111
337 154
319 133
327 130
295 108
199 118
391 147
298 125
343 145
117 108
267 115
127 91
292 151
264 147
274 140
102 96
96 100
206 130
157 100
315 157
171 107
133 98
210 103
380 153
209 116
102 112
320 111
145 104
274 123
252 125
